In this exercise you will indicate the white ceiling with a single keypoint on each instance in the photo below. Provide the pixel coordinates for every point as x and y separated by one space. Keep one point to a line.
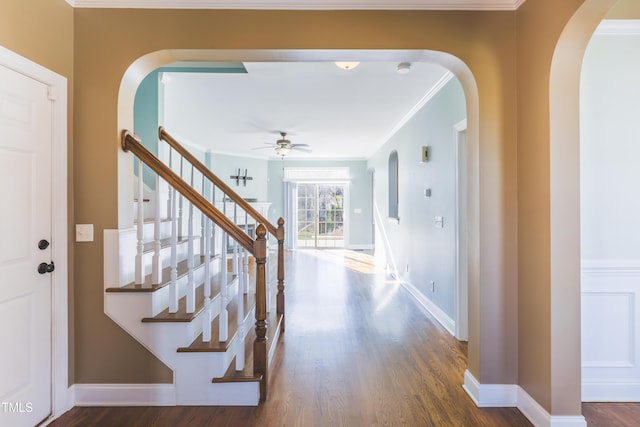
339 113
306 4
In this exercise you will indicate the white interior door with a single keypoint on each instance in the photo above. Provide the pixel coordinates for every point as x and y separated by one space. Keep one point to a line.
25 221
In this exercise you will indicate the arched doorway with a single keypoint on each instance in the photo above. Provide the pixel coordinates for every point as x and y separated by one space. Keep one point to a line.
140 68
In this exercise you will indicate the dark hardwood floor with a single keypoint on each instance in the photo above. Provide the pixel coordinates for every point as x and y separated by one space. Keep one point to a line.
358 351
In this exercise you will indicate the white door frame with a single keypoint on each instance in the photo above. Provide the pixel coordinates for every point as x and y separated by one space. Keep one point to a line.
461 293
61 399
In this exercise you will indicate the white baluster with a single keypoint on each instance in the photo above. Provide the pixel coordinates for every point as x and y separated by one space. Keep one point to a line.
234 263
224 314
206 318
191 286
240 334
174 293
245 259
180 210
140 228
170 194
156 264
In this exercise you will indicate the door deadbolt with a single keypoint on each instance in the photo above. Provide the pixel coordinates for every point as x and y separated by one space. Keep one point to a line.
43 244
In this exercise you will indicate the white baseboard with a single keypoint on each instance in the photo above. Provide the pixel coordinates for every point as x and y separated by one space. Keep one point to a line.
124 394
511 395
490 395
442 317
614 391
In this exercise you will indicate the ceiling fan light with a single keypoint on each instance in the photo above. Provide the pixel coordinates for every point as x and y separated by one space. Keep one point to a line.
347 65
282 151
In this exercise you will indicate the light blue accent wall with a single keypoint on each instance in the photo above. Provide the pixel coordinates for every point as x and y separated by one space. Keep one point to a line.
420 251
360 195
145 120
225 166
146 111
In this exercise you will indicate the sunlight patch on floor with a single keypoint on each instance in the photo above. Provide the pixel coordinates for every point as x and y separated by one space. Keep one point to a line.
356 261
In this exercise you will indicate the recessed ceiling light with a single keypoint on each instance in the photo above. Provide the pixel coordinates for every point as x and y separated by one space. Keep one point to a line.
404 67
347 65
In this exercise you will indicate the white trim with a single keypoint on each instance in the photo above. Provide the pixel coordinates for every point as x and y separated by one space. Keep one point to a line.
295 5
125 394
447 76
610 391
541 418
428 305
60 346
618 27
598 267
490 395
510 396
461 288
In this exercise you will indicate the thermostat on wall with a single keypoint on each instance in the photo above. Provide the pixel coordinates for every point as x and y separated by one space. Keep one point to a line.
425 153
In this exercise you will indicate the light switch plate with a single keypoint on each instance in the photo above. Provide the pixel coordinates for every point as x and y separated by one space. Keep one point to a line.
84 232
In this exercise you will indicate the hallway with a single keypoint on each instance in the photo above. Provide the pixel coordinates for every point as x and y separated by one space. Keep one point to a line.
357 351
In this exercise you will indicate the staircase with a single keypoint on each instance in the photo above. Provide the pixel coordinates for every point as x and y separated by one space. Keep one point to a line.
195 284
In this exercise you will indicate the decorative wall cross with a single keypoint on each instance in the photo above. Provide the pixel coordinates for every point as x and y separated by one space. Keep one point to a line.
244 178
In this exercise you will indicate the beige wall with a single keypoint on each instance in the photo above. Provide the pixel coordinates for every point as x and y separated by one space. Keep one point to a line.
512 323
42 31
108 41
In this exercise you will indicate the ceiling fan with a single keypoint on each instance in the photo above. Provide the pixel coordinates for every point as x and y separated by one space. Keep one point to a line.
283 146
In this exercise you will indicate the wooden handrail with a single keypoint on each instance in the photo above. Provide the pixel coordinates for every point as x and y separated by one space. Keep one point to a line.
229 192
131 142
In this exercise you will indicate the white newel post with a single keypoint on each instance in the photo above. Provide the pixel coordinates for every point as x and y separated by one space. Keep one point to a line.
156 264
140 228
174 293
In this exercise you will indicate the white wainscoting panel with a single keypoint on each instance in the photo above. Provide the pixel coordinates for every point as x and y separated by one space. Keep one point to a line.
610 328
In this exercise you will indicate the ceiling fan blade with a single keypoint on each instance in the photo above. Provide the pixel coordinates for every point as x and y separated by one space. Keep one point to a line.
303 149
260 148
299 145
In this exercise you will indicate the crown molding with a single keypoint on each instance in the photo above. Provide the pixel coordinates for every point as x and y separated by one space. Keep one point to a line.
296 5
618 27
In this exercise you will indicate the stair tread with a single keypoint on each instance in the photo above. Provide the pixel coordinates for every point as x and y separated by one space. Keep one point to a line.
147 286
215 345
181 315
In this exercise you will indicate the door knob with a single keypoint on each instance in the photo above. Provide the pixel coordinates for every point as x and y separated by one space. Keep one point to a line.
43 244
46 268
